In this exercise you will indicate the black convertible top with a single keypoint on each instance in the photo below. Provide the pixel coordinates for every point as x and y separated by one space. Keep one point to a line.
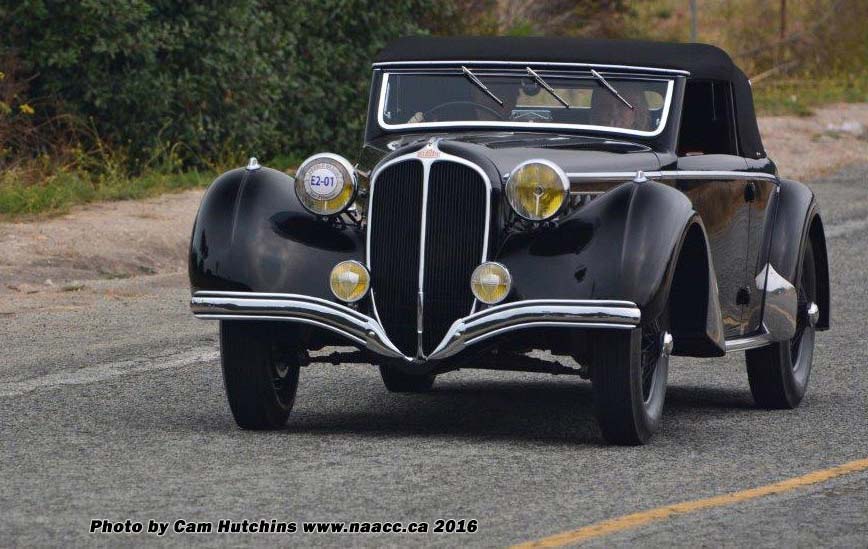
702 61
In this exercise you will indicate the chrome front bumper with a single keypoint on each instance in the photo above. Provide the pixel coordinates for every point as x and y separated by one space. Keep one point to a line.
366 332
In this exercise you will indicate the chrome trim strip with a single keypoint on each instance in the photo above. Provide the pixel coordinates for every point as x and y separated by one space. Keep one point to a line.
536 313
523 125
427 155
714 174
673 174
367 332
420 282
750 342
534 63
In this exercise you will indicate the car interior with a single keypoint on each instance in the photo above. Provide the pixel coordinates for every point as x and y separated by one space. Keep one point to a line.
707 119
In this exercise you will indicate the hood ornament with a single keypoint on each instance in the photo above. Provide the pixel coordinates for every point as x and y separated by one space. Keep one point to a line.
429 151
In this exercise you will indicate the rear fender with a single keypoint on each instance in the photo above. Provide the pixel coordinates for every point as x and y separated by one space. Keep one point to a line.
797 219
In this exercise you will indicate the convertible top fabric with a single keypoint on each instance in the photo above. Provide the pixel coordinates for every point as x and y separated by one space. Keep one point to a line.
702 61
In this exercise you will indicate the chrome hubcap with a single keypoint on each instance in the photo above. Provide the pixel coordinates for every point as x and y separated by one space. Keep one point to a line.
813 314
668 343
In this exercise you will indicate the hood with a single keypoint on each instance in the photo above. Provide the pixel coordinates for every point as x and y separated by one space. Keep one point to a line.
508 149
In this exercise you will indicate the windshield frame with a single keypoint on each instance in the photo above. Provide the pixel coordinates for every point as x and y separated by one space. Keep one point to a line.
387 71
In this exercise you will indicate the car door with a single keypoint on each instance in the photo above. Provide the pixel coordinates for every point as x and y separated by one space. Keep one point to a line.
713 174
719 197
761 195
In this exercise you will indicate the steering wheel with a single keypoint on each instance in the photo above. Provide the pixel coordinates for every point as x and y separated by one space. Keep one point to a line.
486 108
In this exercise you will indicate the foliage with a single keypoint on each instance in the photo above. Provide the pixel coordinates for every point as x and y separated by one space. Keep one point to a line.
204 79
61 189
127 98
798 95
598 18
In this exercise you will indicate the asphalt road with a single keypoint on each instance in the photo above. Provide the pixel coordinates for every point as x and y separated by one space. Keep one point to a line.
112 407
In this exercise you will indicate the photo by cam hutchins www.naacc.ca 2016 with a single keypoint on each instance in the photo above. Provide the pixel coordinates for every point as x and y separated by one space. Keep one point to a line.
610 201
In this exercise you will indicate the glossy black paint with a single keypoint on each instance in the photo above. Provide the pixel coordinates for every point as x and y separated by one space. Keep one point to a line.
616 247
736 212
796 219
698 240
252 234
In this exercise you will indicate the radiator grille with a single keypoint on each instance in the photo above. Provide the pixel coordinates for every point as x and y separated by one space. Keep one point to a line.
395 225
454 239
454 242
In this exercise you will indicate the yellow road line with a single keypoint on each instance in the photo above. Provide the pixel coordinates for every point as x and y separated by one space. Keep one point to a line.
635 520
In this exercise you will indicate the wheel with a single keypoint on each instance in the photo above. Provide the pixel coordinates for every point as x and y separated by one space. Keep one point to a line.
778 373
260 372
628 376
397 381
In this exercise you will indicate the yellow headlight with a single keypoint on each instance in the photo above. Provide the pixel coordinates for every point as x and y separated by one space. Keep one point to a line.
490 283
349 281
537 189
325 184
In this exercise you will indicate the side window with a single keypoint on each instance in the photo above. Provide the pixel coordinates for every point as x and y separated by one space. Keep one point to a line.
707 120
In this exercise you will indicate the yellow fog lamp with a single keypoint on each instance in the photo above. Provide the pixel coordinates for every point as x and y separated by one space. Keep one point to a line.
537 189
349 281
490 283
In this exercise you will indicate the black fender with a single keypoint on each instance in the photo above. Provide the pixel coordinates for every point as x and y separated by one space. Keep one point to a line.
797 219
624 245
252 234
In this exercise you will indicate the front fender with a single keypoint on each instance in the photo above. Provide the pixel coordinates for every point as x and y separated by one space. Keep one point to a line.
622 245
251 234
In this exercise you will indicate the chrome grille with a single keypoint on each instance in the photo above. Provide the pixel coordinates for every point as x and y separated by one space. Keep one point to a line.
395 226
454 241
426 290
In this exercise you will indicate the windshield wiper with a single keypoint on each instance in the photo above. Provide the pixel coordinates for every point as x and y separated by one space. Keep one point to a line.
609 87
538 79
479 84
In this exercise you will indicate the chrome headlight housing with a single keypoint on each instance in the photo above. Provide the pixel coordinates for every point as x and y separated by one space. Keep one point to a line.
326 184
490 282
537 189
349 281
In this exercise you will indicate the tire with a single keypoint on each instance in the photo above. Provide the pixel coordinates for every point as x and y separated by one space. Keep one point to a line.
397 381
260 372
628 375
778 373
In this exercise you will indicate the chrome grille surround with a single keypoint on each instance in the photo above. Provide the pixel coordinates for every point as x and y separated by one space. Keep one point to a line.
427 155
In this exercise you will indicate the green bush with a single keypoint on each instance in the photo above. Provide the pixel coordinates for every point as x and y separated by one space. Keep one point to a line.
206 80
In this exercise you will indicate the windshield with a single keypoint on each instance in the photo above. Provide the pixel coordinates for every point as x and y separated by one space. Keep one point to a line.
524 98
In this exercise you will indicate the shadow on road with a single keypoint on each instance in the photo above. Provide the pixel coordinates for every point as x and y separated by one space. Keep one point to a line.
354 402
536 411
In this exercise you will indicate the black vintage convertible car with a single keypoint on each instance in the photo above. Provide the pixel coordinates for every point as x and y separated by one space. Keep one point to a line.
608 201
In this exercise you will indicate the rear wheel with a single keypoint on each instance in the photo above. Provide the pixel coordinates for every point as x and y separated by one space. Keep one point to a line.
398 381
260 372
778 373
628 374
